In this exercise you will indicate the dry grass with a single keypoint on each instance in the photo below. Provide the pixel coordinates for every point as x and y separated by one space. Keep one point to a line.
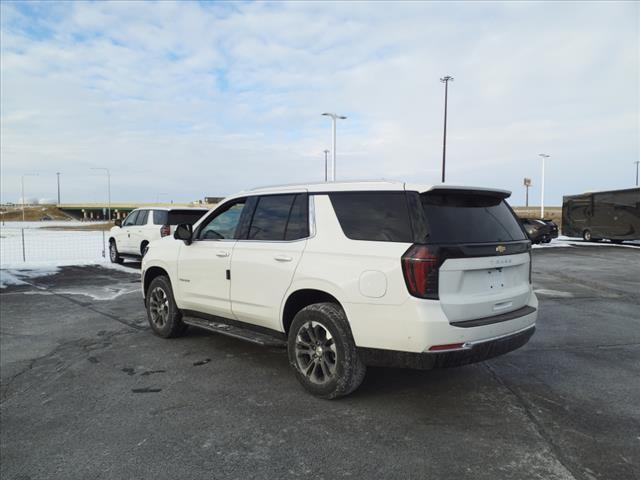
552 213
31 213
84 226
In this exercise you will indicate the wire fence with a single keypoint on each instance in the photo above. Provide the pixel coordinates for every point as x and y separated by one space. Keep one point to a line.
35 245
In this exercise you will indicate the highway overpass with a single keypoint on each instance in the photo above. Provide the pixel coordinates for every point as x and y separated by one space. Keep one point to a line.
100 211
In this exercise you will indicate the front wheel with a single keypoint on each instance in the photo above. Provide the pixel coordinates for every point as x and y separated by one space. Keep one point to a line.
163 314
586 235
322 351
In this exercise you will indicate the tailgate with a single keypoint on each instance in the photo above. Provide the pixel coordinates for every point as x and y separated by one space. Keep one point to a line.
472 288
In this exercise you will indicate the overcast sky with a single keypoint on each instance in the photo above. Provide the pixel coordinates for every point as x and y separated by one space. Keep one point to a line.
183 101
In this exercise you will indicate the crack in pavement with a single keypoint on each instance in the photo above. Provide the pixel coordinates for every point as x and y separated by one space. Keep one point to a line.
87 345
537 425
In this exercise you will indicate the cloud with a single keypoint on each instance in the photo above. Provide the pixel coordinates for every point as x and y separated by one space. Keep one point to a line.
197 99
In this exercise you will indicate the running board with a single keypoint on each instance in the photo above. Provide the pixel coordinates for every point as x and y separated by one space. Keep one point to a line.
258 338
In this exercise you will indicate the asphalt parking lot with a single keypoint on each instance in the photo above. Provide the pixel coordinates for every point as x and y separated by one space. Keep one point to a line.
89 392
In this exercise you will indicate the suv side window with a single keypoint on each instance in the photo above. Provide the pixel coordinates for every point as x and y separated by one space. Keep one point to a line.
223 224
373 216
142 217
298 224
160 217
270 217
131 219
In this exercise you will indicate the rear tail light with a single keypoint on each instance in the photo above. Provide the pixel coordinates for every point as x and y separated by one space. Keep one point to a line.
420 266
165 230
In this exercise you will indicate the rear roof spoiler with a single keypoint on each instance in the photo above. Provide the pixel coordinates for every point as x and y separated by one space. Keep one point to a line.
494 192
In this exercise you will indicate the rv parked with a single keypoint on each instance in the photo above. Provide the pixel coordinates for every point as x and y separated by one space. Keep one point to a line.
594 216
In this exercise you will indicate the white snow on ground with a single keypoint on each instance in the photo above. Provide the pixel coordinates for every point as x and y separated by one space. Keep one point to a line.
47 224
22 274
49 245
45 250
563 241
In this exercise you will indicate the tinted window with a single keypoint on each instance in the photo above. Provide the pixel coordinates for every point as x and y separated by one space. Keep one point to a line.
131 218
298 226
142 217
176 217
377 216
270 217
160 217
454 217
222 224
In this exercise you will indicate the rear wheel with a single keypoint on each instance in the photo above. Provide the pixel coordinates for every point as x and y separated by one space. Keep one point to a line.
323 353
586 235
163 314
114 256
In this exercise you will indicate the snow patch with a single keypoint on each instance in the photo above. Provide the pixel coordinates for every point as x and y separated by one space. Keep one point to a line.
553 293
95 293
18 275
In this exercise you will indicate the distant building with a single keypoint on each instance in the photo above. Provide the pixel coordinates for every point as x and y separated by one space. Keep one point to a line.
213 199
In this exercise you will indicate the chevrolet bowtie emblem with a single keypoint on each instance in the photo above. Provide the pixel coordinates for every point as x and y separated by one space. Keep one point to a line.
501 249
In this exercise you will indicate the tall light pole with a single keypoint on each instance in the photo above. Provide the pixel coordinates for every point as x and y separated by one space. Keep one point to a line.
58 174
544 156
334 118
108 187
22 181
637 162
446 79
326 152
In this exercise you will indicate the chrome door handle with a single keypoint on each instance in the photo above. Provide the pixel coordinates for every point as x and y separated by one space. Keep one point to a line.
222 254
282 258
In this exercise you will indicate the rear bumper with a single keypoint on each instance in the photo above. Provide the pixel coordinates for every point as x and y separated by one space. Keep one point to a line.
471 352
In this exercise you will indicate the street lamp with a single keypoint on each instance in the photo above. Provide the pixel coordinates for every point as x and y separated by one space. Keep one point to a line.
334 118
446 79
637 162
58 174
326 152
108 187
22 181
544 156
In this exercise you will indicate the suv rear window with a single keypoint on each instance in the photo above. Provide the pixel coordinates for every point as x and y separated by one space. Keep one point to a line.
177 217
374 216
461 217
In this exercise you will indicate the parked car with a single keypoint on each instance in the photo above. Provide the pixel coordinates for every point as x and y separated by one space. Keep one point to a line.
553 227
347 275
540 231
130 238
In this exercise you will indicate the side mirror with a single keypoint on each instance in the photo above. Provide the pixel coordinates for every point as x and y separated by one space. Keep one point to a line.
183 232
118 222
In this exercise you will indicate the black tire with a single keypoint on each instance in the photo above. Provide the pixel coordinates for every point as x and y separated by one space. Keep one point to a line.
333 366
163 314
114 256
586 236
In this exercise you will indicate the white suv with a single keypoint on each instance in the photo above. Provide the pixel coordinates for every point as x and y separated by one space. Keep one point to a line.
131 237
351 274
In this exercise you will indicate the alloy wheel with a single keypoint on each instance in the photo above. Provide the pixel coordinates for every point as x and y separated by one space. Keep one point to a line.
159 307
316 353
